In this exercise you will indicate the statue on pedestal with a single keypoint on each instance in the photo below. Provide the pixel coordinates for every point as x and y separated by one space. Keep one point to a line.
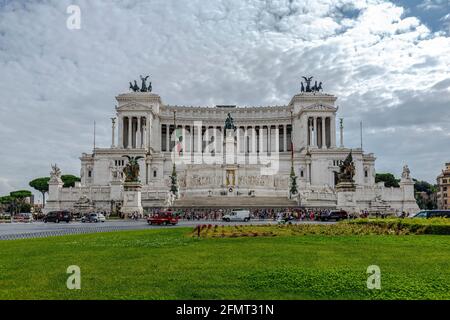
346 170
308 83
55 174
406 173
131 170
229 123
134 87
144 87
315 88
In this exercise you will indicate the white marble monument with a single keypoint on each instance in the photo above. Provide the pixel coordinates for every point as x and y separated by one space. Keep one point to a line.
265 142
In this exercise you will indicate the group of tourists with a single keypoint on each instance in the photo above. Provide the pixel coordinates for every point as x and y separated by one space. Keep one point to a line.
300 214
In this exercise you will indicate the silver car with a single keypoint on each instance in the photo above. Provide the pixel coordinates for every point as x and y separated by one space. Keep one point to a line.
93 217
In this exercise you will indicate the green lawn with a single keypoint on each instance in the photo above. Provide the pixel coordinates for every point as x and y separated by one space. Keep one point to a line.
169 264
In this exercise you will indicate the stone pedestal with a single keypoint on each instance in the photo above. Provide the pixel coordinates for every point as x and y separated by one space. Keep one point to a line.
53 200
132 202
346 196
409 204
116 190
230 147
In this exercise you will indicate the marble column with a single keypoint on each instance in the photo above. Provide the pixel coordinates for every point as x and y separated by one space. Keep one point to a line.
130 130
315 132
333 132
284 137
324 140
120 132
113 144
144 132
150 131
138 133
308 132
167 137
311 132
191 128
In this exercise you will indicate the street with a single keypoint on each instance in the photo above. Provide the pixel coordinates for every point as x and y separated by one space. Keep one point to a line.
18 230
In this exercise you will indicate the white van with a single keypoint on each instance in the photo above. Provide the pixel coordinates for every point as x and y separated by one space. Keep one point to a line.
237 215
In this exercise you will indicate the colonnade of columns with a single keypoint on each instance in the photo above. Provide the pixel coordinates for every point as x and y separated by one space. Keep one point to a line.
134 131
321 131
265 138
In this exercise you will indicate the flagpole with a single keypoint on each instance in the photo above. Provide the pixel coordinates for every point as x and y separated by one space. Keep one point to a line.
292 143
94 135
175 130
174 187
293 185
361 133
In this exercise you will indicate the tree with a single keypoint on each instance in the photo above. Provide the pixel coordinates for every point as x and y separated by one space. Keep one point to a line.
173 181
293 189
423 186
69 180
19 199
20 194
6 203
388 179
424 193
41 185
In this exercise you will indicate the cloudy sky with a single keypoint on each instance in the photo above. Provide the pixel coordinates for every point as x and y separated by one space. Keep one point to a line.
387 61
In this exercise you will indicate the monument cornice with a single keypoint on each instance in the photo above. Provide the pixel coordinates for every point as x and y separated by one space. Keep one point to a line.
312 97
215 109
139 96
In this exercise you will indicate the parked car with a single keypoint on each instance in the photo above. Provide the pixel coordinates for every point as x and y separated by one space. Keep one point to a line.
58 216
23 217
93 217
5 215
163 217
333 215
433 214
237 215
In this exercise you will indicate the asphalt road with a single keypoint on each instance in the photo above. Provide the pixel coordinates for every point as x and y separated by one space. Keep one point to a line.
20 230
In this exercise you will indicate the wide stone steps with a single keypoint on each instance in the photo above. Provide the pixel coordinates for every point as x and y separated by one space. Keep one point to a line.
235 202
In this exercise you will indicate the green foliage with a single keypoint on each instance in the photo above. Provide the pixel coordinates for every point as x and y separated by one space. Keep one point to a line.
428 201
6 200
388 179
408 226
439 226
17 203
69 180
41 185
173 181
20 194
425 203
25 207
423 186
6 203
293 188
283 267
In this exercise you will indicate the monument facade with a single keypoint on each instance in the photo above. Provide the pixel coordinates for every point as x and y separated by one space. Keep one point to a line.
229 156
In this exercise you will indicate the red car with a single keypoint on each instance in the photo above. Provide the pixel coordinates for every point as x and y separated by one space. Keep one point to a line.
164 217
